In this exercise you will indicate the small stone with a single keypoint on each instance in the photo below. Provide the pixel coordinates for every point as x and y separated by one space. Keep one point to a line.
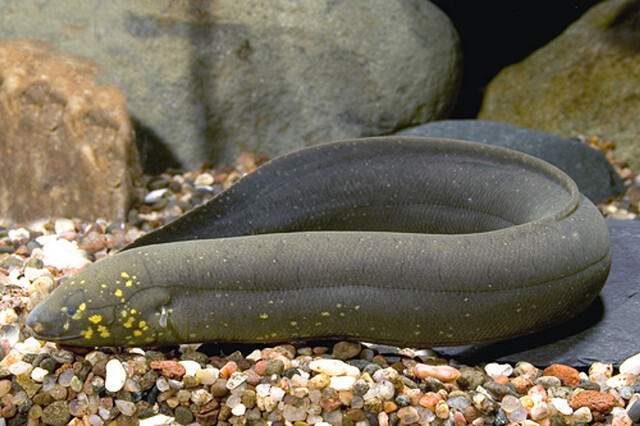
444 373
631 365
594 400
5 387
346 350
442 410
633 411
56 414
620 380
408 415
430 400
236 379
569 375
28 384
20 367
582 415
190 367
562 405
127 408
470 378
342 382
621 419
548 381
38 374
333 367
598 370
169 368
183 415
208 375
494 370
274 366
154 196
115 377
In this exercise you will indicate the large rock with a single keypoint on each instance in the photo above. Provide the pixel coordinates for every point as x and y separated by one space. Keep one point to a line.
583 82
66 145
212 78
589 168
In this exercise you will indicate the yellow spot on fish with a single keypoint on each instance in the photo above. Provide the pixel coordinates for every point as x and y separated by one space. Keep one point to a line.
357 307
95 318
264 316
82 307
133 311
118 293
104 333
123 313
137 333
129 283
82 282
325 314
149 339
87 333
66 325
293 323
142 324
124 275
103 285
338 305
129 322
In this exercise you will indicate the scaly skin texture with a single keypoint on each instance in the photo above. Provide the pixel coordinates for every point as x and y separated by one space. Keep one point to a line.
411 241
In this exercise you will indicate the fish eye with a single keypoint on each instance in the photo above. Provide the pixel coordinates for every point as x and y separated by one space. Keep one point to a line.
71 312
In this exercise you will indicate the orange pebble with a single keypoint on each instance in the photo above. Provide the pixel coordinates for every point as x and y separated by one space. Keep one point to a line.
440 372
502 379
228 369
430 400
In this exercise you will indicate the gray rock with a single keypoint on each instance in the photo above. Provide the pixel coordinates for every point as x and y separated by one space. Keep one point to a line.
587 167
607 331
212 78
585 81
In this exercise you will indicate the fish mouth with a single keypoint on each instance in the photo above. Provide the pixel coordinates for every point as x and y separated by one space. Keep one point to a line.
41 331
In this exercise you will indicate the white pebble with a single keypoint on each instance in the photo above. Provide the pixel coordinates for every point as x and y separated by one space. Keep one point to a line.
204 179
16 278
191 367
18 234
631 365
239 410
494 370
582 415
20 367
208 375
562 405
255 356
277 393
263 389
115 376
157 420
33 274
61 253
154 195
38 374
8 316
334 367
342 382
63 225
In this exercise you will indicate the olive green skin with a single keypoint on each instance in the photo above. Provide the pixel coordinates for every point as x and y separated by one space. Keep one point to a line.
411 241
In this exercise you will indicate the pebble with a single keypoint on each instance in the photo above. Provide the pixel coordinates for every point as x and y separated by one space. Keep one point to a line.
494 370
631 365
115 377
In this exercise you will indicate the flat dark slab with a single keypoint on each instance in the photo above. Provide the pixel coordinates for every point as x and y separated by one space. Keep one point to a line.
608 331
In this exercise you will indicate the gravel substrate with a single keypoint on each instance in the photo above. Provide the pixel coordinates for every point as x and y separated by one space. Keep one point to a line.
341 383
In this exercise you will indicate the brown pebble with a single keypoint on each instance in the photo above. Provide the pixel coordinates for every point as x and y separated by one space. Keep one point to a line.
219 388
260 367
208 413
170 369
330 404
346 350
355 415
599 402
471 413
569 375
389 406
443 373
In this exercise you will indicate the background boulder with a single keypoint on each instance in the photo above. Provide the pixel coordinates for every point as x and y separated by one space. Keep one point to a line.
208 79
584 82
